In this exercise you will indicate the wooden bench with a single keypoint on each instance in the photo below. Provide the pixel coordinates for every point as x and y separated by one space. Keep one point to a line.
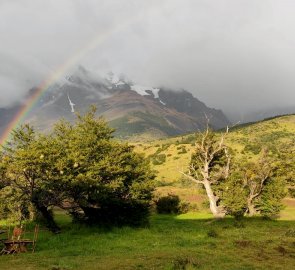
17 244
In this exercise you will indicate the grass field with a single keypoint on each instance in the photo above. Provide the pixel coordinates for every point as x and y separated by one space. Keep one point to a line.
189 241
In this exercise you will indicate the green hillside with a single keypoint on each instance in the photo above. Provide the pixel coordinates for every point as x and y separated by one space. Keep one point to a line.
171 155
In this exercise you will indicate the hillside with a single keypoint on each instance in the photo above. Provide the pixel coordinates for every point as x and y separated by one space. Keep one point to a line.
171 155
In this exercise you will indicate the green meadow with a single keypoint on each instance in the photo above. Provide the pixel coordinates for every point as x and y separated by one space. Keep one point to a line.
188 241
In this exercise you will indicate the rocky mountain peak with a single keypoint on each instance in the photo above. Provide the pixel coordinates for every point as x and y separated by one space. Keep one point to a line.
131 108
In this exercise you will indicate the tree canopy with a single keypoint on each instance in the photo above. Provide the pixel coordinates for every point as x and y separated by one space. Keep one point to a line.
79 167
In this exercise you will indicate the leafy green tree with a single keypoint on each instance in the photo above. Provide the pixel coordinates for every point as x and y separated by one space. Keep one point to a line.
105 180
286 166
264 188
234 195
28 175
270 204
78 166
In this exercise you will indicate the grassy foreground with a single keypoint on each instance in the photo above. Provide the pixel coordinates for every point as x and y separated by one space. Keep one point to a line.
189 241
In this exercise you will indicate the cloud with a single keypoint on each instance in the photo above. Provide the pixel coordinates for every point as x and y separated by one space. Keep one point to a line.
237 55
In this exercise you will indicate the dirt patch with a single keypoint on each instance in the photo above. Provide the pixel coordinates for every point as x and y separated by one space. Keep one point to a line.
289 202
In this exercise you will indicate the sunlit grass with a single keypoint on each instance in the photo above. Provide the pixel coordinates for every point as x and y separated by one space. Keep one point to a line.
193 240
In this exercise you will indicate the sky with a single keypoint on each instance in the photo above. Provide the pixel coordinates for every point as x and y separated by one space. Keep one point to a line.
237 55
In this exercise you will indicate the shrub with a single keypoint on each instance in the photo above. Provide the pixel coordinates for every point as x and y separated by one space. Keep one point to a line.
168 204
184 207
159 159
253 148
182 150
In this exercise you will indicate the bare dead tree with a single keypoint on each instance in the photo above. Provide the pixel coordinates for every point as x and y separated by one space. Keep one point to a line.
210 164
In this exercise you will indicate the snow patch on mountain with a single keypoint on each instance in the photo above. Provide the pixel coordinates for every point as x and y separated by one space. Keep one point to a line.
142 90
119 83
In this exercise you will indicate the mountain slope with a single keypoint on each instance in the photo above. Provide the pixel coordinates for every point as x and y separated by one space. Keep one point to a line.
135 111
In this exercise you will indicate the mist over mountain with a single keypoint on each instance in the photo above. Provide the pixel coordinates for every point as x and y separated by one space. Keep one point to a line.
235 55
260 114
134 110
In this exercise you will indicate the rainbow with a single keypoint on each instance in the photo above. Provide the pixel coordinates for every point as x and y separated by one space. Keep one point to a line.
61 70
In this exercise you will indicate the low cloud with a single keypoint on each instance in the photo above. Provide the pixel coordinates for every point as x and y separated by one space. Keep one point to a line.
237 55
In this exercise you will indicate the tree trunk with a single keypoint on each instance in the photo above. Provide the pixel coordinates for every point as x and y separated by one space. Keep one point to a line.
250 207
47 215
212 200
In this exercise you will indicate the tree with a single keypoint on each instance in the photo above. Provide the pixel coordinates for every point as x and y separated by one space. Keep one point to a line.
234 195
78 166
105 180
255 175
254 187
29 177
237 187
209 167
286 166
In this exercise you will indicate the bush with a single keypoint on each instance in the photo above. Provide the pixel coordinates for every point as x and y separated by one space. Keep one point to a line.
253 148
159 159
130 213
184 207
168 204
182 150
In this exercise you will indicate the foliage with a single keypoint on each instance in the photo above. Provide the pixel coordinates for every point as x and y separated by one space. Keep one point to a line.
106 179
171 204
234 195
233 186
101 180
168 204
270 202
182 150
158 159
28 175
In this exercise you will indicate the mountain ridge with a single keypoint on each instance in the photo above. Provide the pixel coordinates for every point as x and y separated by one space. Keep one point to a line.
132 109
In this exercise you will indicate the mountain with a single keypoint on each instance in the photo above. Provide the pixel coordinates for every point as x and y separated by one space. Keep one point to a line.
134 110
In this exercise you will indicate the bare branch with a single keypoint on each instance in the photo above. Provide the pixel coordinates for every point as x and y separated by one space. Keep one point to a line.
192 178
